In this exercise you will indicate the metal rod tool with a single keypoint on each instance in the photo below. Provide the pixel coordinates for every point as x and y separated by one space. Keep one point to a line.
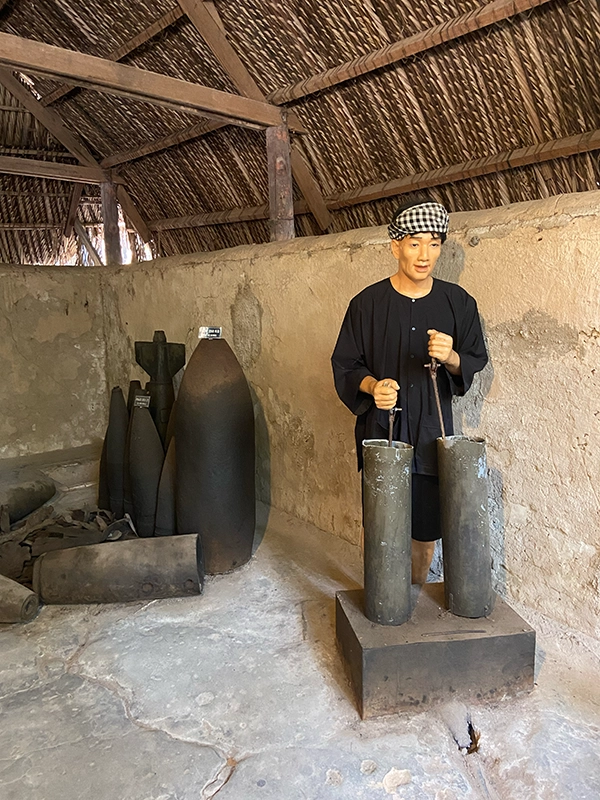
392 417
433 368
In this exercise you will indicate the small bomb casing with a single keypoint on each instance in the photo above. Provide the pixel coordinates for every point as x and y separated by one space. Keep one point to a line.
387 482
161 360
17 603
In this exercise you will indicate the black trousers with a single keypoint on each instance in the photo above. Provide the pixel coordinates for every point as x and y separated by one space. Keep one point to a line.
425 508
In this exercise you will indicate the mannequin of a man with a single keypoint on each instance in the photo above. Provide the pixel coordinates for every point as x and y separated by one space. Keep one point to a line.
391 331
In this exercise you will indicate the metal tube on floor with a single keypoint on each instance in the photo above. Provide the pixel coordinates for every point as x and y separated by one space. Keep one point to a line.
118 572
462 468
17 603
387 521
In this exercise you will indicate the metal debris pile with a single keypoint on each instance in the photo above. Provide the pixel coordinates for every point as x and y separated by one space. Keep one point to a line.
45 530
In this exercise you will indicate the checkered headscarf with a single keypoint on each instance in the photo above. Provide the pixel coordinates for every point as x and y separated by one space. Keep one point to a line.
423 218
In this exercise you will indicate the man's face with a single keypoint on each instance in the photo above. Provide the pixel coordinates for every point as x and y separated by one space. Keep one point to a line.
417 255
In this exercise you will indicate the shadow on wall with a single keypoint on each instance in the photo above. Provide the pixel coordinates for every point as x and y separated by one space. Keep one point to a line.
263 469
467 415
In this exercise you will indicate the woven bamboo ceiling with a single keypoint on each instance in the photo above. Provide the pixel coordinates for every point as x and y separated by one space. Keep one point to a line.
482 103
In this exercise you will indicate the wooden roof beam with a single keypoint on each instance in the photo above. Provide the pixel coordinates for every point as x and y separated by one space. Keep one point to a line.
47 117
206 22
85 240
52 170
499 162
155 146
125 49
53 123
139 84
455 28
76 193
29 226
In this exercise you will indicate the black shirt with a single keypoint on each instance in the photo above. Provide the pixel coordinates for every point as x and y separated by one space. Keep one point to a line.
384 335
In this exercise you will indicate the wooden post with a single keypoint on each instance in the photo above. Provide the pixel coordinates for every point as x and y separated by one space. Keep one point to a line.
110 217
281 196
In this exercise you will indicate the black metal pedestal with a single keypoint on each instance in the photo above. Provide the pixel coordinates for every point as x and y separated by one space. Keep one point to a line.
433 657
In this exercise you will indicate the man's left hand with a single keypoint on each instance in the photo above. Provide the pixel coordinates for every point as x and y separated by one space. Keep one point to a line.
440 348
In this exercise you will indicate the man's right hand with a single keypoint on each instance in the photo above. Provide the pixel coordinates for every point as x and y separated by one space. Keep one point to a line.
385 392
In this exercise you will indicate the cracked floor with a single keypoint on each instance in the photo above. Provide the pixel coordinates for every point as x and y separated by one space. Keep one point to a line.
240 694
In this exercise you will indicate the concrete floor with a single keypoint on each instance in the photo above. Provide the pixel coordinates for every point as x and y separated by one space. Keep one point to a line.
241 694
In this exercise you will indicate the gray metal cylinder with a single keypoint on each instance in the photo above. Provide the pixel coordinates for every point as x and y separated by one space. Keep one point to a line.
387 521
462 466
17 603
118 572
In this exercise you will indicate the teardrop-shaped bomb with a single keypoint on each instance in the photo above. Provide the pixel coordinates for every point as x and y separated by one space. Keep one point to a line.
135 388
146 456
118 572
214 431
170 427
17 603
116 436
166 523
103 494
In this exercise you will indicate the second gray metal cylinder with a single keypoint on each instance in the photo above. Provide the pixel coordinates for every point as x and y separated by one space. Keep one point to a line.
462 468
387 481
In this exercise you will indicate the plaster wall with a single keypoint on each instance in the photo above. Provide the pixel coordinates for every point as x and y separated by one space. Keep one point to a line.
533 268
52 360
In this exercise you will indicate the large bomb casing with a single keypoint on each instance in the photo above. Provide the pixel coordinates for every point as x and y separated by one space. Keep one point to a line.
462 467
387 481
166 521
17 603
214 433
116 437
161 360
118 572
135 391
146 456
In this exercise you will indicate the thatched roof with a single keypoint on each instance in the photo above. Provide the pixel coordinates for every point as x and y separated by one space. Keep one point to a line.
530 79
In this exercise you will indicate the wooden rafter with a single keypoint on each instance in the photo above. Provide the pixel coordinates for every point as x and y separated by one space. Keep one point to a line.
213 35
31 168
72 212
522 157
125 49
397 51
29 226
184 135
85 240
48 118
455 28
54 124
139 84
206 22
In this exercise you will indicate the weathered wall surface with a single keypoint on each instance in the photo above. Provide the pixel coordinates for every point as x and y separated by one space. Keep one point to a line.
532 267
53 386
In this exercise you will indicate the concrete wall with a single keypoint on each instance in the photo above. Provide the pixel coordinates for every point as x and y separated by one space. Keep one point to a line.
532 267
52 360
